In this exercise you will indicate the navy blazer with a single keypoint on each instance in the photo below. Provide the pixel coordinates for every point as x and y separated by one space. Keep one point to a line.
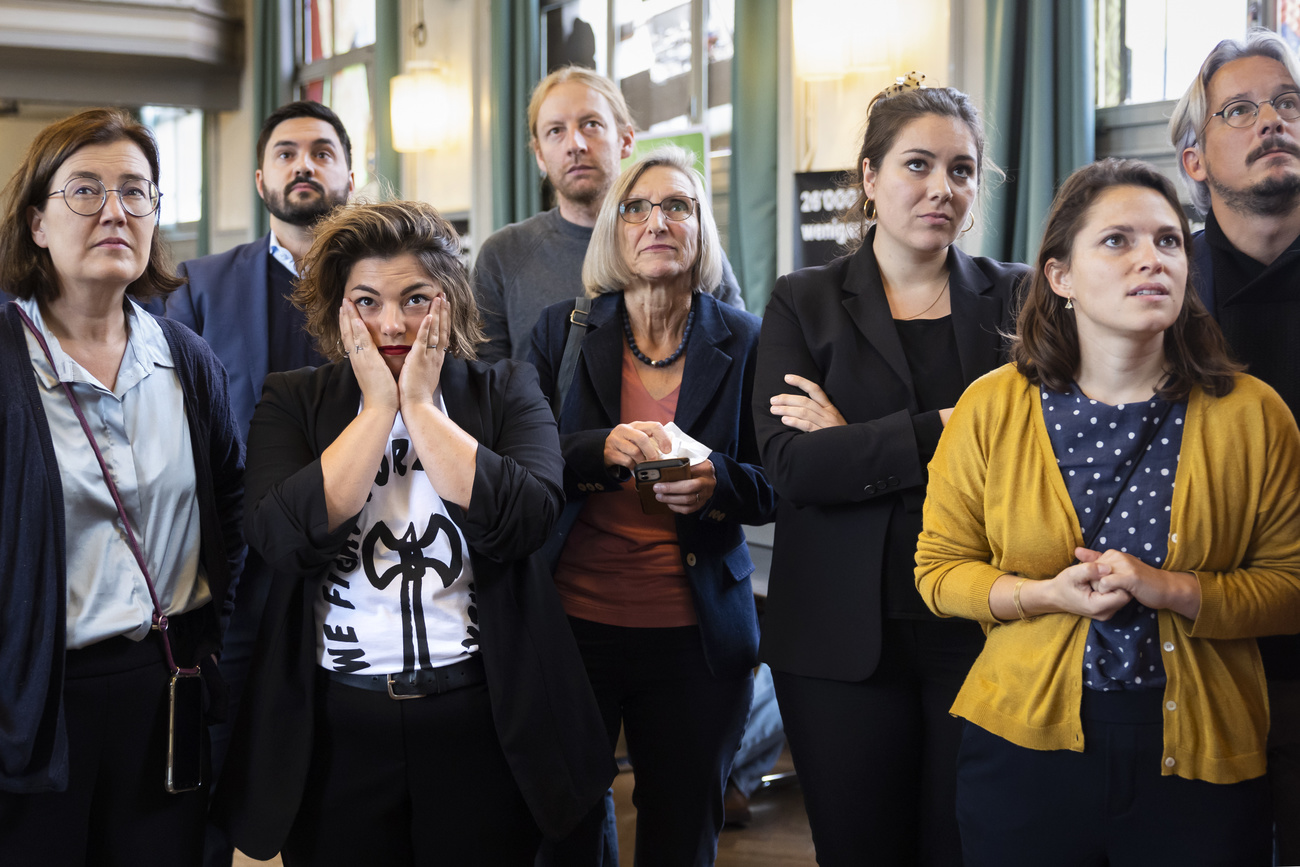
713 407
838 486
542 705
224 300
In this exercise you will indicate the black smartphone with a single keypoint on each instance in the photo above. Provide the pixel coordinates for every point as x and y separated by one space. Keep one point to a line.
185 733
649 472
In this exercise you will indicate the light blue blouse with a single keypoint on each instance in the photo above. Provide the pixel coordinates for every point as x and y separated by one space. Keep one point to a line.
141 430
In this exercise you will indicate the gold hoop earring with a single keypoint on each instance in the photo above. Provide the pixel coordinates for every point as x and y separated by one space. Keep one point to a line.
971 225
869 210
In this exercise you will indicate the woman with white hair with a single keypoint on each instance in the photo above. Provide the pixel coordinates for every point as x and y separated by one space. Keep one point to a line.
657 586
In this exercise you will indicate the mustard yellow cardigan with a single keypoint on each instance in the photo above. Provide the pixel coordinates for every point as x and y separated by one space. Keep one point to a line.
996 503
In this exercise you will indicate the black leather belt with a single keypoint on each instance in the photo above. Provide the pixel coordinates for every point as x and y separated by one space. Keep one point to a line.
417 684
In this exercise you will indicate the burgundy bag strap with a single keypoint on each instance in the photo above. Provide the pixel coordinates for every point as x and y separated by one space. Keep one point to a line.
159 619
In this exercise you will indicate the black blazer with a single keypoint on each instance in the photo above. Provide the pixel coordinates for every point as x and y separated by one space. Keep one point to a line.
545 713
832 324
712 407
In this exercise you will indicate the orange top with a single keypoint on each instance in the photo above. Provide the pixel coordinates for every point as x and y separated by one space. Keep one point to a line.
619 565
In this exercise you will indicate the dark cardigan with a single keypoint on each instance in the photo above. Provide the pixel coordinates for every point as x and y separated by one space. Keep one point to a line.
33 580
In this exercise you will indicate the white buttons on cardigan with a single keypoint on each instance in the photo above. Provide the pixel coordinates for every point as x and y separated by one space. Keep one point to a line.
1169 647
1173 537
690 559
1171 705
1169 762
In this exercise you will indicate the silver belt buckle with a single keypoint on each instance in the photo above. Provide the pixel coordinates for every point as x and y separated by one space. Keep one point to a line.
395 697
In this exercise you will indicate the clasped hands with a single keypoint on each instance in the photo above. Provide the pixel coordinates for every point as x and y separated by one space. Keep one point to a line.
1103 582
630 444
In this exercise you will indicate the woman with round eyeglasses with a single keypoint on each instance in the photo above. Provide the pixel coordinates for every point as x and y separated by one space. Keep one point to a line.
653 569
85 775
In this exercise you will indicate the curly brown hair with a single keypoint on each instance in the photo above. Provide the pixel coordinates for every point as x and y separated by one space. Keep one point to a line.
26 270
381 231
1045 347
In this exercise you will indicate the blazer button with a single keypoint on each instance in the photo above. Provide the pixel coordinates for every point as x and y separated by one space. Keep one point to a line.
870 489
599 486
893 480
690 559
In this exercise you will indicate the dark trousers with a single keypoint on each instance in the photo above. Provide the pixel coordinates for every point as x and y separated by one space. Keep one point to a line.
683 726
877 759
1108 806
116 810
236 659
1284 766
415 782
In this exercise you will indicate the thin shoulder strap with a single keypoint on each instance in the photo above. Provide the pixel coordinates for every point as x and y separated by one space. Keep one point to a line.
569 363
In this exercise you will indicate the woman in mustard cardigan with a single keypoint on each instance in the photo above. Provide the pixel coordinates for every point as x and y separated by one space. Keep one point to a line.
1120 508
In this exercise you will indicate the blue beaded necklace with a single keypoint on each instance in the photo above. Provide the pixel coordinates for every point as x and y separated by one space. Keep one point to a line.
642 357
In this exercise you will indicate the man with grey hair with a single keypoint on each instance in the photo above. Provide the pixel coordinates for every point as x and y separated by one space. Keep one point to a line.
1237 132
580 129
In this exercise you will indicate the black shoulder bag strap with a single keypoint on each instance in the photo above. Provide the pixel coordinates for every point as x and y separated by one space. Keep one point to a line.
569 363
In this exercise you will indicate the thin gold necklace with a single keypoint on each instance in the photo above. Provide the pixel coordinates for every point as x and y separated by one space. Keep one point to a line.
932 303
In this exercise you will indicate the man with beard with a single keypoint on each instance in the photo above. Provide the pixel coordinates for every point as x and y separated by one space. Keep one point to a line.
238 302
580 129
1236 133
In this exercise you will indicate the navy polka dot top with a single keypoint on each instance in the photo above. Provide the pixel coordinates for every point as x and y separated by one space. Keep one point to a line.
1096 446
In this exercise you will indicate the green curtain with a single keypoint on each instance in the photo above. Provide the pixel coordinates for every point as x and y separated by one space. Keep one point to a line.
1040 113
388 63
516 61
753 194
271 75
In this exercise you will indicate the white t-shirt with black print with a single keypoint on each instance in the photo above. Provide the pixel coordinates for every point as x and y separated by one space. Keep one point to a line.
400 594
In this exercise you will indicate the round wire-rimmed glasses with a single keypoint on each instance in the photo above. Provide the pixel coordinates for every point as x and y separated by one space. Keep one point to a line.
1241 113
86 196
675 208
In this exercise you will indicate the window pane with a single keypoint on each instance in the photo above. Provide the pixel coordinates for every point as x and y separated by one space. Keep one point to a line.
1150 50
314 91
354 24
575 31
179 132
652 60
350 98
320 41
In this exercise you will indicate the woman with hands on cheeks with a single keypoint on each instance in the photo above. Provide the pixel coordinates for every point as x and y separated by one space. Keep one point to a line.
1119 509
660 603
860 363
414 671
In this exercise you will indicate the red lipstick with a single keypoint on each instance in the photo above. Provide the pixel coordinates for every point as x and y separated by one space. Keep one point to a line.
394 350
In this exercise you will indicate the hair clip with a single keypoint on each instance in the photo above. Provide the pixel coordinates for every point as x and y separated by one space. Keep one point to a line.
912 81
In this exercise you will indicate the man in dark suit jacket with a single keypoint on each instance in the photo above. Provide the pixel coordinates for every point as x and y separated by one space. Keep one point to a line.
1237 133
238 302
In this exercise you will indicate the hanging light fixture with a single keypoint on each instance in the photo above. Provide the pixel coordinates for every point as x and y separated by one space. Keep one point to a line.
426 111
